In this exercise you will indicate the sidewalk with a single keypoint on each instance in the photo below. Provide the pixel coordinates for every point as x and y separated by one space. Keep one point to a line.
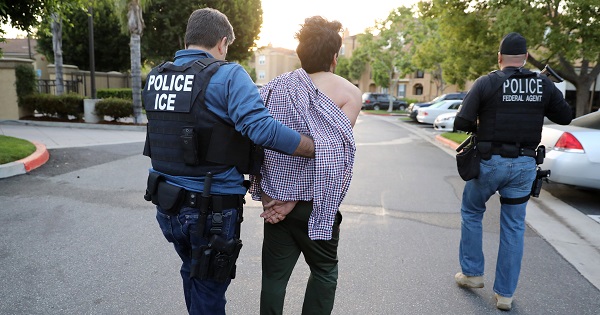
56 135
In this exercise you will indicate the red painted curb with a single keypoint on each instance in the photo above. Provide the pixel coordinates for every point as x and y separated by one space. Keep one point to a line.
453 145
37 159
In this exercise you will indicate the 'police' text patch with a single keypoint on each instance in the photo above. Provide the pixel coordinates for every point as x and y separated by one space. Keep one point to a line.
522 90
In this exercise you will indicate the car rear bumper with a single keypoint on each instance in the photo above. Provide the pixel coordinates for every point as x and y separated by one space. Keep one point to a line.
572 169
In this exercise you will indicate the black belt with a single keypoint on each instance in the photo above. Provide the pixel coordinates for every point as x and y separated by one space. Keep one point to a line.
522 151
217 203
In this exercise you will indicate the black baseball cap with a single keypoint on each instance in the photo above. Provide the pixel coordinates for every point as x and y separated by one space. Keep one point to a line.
513 44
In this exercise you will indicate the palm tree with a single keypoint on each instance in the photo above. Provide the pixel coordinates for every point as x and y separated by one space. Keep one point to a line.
135 26
58 55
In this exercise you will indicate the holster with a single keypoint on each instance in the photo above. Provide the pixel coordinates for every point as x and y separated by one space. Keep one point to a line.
217 260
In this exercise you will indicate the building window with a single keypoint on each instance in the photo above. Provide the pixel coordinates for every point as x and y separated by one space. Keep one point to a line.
401 90
262 59
261 74
418 89
343 50
420 74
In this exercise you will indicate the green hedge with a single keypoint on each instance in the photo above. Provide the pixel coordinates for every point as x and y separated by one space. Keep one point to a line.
55 106
116 108
124 93
26 82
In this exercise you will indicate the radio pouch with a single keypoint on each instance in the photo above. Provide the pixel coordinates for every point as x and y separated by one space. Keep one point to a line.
169 196
485 149
509 150
189 144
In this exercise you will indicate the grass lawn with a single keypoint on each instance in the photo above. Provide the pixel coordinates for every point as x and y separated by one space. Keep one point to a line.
457 137
12 149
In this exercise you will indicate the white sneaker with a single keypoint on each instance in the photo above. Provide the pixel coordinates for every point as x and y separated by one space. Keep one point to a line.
503 303
469 282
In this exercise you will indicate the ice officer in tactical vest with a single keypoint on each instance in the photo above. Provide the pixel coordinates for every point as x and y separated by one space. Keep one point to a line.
506 109
206 124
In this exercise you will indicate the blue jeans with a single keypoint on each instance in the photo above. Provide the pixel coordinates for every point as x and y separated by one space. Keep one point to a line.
201 297
512 178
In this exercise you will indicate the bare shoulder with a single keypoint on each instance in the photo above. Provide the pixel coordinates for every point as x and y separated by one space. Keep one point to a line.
348 97
341 91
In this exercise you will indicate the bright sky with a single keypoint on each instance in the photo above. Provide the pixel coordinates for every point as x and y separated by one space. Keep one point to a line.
282 18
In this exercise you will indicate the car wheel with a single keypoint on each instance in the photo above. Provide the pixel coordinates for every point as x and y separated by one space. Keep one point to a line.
376 107
401 107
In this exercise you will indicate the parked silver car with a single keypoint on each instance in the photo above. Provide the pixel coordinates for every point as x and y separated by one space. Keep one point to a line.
428 115
573 151
445 122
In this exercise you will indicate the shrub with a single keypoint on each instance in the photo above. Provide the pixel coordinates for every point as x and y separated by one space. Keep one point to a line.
124 93
26 82
53 105
411 100
114 107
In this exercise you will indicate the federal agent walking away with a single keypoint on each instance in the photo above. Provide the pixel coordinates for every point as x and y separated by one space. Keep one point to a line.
506 109
205 117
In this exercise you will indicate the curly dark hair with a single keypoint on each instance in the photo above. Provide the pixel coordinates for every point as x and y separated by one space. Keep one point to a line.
319 41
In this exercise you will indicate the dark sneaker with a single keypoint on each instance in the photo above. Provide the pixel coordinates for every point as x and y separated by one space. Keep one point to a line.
469 282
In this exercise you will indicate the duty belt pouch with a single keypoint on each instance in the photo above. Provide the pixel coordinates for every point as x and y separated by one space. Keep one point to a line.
152 187
485 149
169 196
509 151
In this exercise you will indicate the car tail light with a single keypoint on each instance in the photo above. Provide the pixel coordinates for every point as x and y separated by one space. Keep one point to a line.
367 101
425 114
568 142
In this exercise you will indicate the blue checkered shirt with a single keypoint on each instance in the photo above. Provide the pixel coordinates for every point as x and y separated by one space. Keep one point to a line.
294 100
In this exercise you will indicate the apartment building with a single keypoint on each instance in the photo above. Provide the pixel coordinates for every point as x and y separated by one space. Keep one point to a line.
270 62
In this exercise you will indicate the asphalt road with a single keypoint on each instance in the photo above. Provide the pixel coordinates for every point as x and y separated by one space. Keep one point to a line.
78 238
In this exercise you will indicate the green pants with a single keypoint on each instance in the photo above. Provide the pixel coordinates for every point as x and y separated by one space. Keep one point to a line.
283 242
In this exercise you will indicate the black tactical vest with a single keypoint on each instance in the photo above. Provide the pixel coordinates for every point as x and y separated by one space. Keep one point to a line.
183 137
515 112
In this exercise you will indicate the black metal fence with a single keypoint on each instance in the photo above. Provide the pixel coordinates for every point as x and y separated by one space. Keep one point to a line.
49 86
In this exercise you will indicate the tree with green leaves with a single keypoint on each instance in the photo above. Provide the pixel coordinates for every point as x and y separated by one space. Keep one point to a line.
22 15
563 34
166 21
27 14
108 40
343 68
358 63
384 46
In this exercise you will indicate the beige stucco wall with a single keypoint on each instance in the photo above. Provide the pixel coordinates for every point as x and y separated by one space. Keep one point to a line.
9 108
104 80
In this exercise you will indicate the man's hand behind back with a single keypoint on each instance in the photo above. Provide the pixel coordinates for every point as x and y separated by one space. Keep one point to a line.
274 211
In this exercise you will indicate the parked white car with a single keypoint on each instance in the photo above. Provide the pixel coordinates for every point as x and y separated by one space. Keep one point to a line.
445 122
573 151
428 115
